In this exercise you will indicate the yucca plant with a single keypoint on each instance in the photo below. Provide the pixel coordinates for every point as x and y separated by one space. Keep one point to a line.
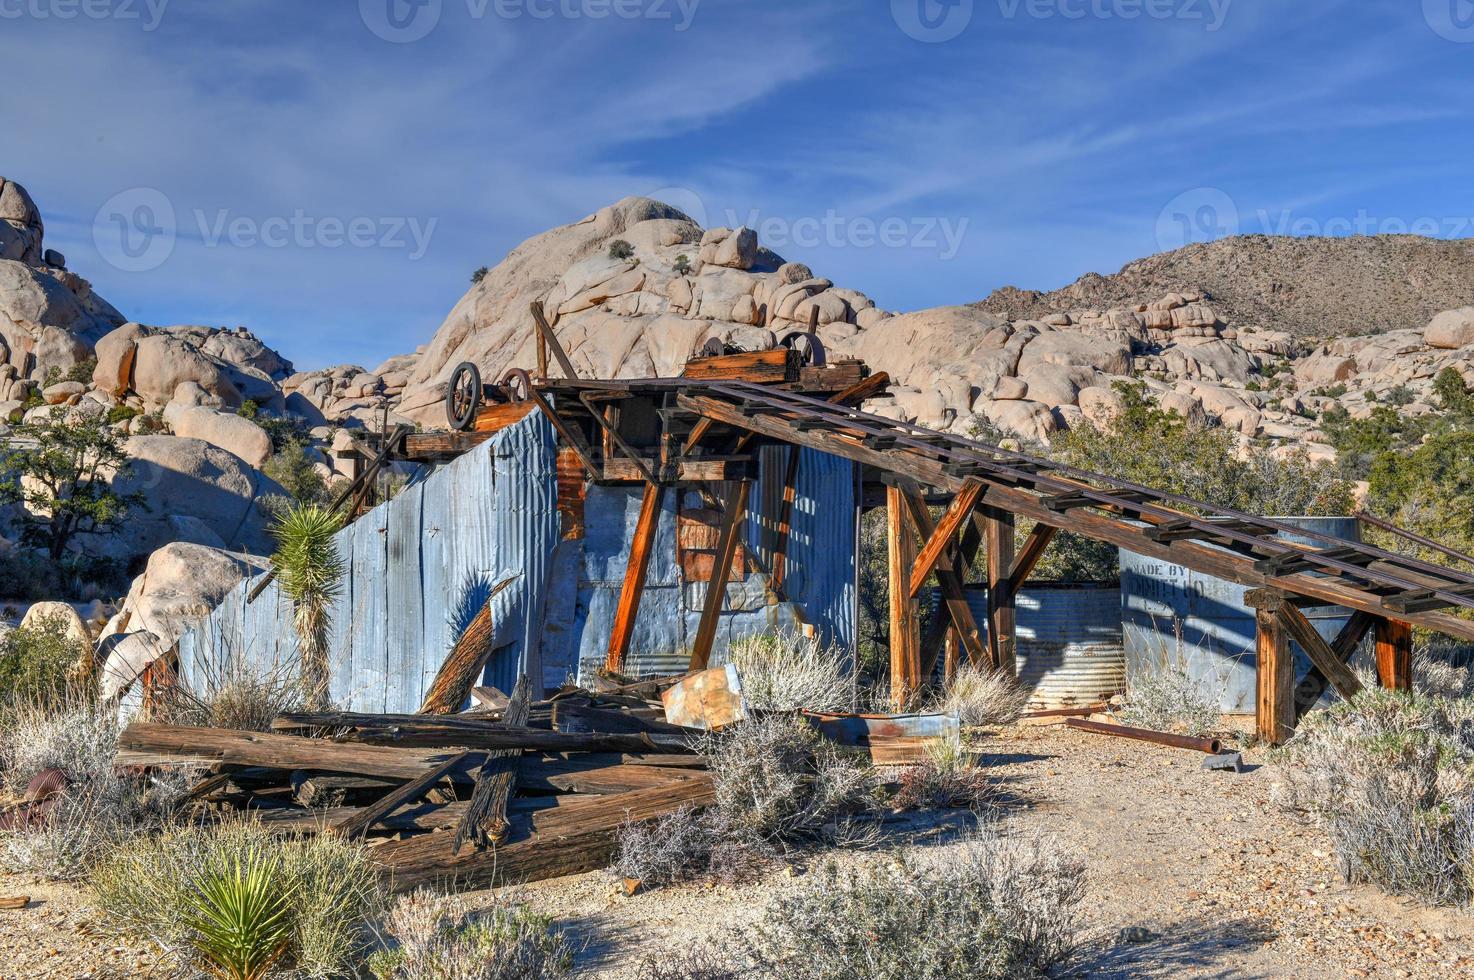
310 571
240 916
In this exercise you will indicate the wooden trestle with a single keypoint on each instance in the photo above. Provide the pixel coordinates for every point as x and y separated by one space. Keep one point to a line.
682 425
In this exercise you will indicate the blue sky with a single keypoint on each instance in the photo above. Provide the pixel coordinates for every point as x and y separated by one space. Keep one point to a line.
330 172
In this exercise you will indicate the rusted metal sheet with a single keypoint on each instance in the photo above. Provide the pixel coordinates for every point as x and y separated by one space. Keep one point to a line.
708 700
850 729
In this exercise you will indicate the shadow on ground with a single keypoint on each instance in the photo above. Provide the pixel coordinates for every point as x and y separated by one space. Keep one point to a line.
1168 951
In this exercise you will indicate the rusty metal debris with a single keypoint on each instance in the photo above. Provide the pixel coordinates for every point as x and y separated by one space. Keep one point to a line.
1210 746
708 700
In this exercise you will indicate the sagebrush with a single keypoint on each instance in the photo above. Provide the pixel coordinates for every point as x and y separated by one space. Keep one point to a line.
978 696
439 937
1170 700
785 671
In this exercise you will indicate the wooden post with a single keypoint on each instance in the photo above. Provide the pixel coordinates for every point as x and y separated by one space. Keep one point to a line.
641 548
905 627
1275 675
716 588
1394 640
779 571
1002 631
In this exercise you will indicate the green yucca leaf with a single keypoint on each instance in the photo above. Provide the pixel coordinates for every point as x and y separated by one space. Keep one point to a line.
307 562
241 916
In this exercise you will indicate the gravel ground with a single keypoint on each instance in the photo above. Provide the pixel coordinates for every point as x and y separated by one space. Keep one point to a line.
1217 881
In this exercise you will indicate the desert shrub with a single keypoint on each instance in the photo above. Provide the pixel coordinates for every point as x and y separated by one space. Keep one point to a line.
949 776
40 663
239 922
479 275
1390 775
238 696
439 938
785 671
1169 700
121 413
780 782
674 848
151 886
620 249
97 810
682 265
902 920
981 697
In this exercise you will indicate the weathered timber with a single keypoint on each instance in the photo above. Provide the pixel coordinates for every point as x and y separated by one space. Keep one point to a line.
942 630
777 366
546 844
944 536
1092 524
435 446
452 686
1002 620
358 824
904 637
494 418
549 338
779 568
1309 690
697 470
507 737
951 577
568 433
1320 653
1274 710
1029 556
485 823
716 588
638 566
1394 644
613 439
324 789
1209 746
164 744
579 717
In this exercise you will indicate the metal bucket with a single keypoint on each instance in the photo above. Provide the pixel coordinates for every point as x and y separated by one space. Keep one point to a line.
1070 649
1174 617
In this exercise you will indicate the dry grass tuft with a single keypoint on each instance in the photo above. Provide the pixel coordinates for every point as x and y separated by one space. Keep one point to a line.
981 697
950 776
233 696
786 672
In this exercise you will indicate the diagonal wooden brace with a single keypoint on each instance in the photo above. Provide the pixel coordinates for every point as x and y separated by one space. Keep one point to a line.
942 540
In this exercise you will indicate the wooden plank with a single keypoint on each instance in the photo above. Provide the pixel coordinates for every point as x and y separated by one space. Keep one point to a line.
623 470
1394 645
860 391
1308 692
1320 653
432 446
945 535
1002 620
776 366
635 571
359 823
716 589
458 674
545 844
904 630
549 338
1092 524
485 823
494 418
951 577
941 627
1274 712
779 569
1030 555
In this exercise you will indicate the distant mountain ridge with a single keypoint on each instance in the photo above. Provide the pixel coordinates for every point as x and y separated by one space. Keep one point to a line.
1308 287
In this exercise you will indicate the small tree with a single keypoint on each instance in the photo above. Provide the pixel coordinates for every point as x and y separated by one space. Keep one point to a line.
479 275
310 572
62 471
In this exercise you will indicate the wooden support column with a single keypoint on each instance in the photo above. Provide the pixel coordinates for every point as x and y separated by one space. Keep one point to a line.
905 627
1394 640
951 576
641 548
716 588
1274 711
779 571
1002 624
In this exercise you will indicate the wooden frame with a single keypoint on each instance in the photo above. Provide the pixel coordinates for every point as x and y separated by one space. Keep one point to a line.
904 626
641 549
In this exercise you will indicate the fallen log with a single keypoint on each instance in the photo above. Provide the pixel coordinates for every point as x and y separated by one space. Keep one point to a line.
1209 746
432 733
485 822
452 686
547 844
149 744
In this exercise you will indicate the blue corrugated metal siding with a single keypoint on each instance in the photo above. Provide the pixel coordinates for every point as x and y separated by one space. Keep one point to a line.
420 566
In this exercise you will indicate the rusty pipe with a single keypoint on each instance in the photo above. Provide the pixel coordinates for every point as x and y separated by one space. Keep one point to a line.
1210 746
1082 711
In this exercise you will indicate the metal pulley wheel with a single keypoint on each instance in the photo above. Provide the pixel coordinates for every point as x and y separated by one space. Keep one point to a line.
517 383
463 396
807 345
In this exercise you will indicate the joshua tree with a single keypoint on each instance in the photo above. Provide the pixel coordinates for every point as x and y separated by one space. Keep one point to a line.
310 571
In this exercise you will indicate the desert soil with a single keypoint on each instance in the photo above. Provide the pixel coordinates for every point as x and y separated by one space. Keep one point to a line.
1211 876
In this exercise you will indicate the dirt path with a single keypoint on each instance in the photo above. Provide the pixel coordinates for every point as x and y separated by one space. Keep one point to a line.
1224 884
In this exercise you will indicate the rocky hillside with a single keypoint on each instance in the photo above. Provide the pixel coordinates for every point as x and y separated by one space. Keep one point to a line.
1307 287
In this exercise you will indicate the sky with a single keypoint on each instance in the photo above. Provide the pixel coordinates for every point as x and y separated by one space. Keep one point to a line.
329 173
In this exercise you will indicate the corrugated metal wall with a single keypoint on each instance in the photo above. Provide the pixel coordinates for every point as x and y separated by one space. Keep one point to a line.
418 569
421 565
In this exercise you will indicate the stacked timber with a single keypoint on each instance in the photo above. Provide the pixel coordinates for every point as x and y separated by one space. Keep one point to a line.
512 792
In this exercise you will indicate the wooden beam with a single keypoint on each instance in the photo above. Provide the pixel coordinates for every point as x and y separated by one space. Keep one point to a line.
570 435
1308 692
359 823
904 633
779 571
1303 632
852 395
485 821
1030 555
1394 643
716 589
1002 621
937 630
641 549
952 579
457 675
945 536
551 339
611 434
1274 709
